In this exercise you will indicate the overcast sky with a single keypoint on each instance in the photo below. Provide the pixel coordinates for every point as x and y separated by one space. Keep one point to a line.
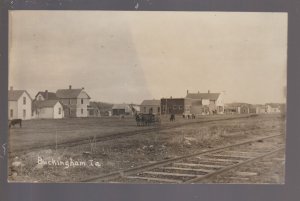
125 56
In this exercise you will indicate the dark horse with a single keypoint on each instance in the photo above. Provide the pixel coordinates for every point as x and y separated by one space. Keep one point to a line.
13 122
172 117
139 119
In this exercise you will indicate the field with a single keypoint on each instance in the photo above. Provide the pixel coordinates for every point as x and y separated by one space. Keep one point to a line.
169 140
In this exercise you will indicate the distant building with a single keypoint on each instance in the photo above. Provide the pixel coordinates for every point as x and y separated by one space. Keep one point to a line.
240 108
45 95
108 113
19 104
243 109
271 109
175 105
121 109
93 110
150 107
75 102
47 109
47 106
230 109
206 103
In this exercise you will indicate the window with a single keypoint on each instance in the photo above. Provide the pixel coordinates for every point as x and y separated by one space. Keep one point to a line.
69 101
11 113
24 114
180 107
174 107
81 111
145 110
150 110
39 98
82 101
59 110
158 110
24 100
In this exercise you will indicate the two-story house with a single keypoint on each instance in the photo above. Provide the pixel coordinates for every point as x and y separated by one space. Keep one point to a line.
19 104
75 101
206 103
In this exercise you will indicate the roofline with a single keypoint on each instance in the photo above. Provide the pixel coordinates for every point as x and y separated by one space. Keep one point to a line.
76 96
57 101
28 94
24 91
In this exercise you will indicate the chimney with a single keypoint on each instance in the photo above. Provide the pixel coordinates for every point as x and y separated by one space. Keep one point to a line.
46 94
208 91
11 88
70 86
187 92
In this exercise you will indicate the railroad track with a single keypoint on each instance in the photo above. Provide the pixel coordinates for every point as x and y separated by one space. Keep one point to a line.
82 141
197 167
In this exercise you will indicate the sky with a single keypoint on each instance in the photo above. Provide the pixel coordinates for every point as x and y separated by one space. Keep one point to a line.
129 56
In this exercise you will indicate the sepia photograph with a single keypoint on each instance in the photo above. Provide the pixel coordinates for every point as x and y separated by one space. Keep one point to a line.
147 97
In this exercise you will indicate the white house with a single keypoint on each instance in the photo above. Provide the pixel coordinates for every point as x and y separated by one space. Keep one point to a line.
75 101
206 103
19 104
48 109
150 107
270 109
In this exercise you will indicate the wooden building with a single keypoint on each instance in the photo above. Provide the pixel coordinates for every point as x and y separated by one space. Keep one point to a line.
47 109
177 106
75 101
206 103
19 104
150 107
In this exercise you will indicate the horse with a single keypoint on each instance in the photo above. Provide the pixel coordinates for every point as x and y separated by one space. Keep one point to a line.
13 122
139 119
172 117
146 119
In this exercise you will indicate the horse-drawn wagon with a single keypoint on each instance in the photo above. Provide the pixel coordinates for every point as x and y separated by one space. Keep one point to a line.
147 119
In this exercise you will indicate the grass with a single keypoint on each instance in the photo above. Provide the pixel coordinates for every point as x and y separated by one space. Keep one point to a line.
45 132
132 151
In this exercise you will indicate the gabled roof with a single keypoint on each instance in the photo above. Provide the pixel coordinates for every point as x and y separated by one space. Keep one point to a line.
14 95
68 93
45 103
51 95
210 96
151 102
